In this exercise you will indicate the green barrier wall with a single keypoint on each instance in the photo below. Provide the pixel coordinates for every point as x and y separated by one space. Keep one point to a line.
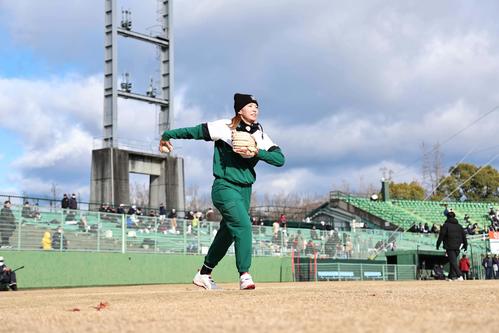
77 269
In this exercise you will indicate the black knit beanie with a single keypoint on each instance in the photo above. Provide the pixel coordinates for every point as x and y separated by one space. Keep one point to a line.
241 100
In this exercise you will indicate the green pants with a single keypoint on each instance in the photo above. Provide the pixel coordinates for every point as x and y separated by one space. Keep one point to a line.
233 202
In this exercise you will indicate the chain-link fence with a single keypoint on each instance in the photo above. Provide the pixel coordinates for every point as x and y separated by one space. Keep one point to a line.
46 228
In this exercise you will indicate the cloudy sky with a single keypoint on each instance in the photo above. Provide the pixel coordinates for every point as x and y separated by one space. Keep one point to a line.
345 88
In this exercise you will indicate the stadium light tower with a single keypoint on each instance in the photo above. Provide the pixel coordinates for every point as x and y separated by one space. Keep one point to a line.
112 163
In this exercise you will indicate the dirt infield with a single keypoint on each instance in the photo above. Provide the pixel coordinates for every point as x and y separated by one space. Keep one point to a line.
413 306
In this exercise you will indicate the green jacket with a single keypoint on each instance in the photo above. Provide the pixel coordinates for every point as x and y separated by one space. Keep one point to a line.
227 164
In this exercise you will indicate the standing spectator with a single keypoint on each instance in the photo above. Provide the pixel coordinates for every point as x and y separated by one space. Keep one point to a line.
348 248
7 224
65 201
73 204
452 235
283 222
162 210
7 276
275 228
173 220
495 266
487 264
464 266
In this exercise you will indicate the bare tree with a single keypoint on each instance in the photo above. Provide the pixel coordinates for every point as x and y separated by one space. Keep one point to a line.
431 168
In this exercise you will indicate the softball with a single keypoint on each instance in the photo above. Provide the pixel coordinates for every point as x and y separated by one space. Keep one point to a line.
164 149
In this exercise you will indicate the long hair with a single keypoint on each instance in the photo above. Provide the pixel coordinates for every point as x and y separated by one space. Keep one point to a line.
235 121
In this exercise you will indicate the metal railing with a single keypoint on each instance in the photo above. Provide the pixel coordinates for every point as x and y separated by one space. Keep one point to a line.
65 230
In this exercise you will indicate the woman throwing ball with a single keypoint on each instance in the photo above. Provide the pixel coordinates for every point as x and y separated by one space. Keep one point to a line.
239 144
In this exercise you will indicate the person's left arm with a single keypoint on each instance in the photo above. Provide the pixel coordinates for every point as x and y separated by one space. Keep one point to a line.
268 151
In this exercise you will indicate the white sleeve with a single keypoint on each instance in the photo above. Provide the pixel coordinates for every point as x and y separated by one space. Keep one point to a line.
220 130
263 141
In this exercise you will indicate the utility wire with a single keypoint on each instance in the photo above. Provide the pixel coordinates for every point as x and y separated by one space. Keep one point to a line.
399 173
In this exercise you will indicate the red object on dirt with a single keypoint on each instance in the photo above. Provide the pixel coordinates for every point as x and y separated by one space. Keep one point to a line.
74 310
102 305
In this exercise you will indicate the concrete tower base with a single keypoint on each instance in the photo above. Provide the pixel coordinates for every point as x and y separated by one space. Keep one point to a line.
166 174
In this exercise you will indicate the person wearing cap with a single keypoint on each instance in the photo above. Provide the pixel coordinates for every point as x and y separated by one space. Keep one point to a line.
233 169
73 203
7 276
453 237
7 224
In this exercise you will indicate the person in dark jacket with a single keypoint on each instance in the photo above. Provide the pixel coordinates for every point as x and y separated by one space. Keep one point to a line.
73 203
7 224
65 201
7 277
453 236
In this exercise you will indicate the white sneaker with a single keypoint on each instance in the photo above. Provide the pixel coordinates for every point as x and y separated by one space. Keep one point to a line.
460 278
246 282
204 281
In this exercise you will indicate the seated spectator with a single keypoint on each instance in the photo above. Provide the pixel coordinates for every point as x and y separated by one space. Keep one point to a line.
434 229
132 210
57 238
467 219
492 212
121 209
26 211
310 248
210 214
438 272
71 218
7 276
426 229
313 233
83 224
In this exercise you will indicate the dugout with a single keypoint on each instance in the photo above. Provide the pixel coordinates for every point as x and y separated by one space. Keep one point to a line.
424 260
312 269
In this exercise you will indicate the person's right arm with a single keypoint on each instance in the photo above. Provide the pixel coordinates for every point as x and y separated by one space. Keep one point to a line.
441 235
199 132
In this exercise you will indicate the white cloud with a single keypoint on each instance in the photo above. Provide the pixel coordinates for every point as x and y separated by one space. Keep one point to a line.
346 88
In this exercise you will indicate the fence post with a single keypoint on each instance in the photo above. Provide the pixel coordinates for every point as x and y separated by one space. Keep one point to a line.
98 232
20 233
156 234
361 272
198 231
123 234
184 230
